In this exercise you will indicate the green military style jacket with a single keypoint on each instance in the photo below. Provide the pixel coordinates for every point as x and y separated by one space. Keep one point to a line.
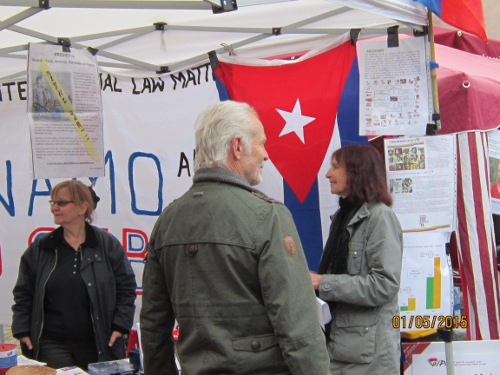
226 262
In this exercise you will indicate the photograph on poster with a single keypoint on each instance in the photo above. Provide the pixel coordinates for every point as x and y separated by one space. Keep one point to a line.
421 178
495 177
44 103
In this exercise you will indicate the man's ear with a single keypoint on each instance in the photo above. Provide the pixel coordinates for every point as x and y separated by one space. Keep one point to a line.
237 147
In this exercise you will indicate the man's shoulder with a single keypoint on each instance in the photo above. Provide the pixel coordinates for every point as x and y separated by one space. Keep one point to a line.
265 197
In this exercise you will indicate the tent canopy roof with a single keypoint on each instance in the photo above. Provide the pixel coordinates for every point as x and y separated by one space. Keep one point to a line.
164 34
469 91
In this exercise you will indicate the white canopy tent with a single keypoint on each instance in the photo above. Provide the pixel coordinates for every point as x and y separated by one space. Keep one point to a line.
142 37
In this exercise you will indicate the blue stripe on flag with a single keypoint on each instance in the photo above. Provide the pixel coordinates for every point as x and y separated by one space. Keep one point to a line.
223 94
434 6
348 113
307 219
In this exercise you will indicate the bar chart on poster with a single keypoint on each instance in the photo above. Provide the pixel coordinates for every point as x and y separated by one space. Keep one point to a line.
425 296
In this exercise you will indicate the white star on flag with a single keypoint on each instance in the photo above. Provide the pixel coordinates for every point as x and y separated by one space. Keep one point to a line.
295 121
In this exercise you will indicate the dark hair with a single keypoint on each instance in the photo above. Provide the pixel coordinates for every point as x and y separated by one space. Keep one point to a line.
366 178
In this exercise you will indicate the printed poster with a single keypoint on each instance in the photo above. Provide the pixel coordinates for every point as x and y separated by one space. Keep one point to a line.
394 89
426 290
65 113
421 174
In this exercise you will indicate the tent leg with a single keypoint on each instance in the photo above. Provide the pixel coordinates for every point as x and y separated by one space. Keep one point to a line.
450 368
2 337
447 336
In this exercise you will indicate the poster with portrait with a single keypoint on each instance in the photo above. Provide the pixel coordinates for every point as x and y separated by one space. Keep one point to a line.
421 175
494 164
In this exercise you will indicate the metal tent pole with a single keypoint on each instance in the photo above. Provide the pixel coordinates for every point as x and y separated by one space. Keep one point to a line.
447 336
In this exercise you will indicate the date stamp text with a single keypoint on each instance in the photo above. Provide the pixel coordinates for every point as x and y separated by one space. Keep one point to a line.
429 321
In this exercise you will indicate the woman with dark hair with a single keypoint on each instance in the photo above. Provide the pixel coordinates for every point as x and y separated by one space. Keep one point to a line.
75 292
359 272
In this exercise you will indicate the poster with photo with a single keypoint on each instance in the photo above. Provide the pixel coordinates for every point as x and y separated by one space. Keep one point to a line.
394 89
65 113
421 176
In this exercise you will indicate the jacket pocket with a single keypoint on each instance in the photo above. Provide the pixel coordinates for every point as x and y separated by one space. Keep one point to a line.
258 354
355 257
255 343
354 334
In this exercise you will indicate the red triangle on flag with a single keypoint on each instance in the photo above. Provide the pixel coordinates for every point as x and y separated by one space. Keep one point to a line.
297 102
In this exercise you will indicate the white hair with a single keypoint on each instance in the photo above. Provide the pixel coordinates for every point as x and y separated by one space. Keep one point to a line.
216 128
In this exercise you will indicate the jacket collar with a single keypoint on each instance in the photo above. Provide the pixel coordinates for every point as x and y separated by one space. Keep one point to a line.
56 237
222 175
225 176
362 213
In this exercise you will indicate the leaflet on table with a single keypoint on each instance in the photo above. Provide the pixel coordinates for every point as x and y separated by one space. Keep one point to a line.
494 164
24 361
421 175
65 113
73 370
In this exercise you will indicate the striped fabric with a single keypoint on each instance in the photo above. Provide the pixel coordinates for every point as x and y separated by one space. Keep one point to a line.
475 238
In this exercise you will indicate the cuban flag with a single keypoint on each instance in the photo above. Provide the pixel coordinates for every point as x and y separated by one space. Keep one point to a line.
300 103
466 15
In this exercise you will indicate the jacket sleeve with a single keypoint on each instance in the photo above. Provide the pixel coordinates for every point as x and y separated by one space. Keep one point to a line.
382 249
24 293
157 318
123 315
288 295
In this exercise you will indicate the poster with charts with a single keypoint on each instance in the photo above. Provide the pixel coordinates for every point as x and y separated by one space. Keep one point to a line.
425 295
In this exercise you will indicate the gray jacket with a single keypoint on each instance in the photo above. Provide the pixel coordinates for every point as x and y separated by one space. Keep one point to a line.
226 262
362 339
110 283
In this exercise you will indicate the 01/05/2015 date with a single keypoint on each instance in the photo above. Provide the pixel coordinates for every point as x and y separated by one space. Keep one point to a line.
429 322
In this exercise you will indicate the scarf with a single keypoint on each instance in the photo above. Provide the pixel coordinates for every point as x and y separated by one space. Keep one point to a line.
334 259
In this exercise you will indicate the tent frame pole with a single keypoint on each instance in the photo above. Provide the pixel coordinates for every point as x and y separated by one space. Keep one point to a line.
115 4
19 17
435 96
108 34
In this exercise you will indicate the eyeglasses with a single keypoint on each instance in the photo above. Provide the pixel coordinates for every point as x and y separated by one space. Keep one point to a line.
59 203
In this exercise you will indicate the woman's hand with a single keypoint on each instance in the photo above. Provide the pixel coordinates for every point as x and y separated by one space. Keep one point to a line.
316 279
113 337
27 341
